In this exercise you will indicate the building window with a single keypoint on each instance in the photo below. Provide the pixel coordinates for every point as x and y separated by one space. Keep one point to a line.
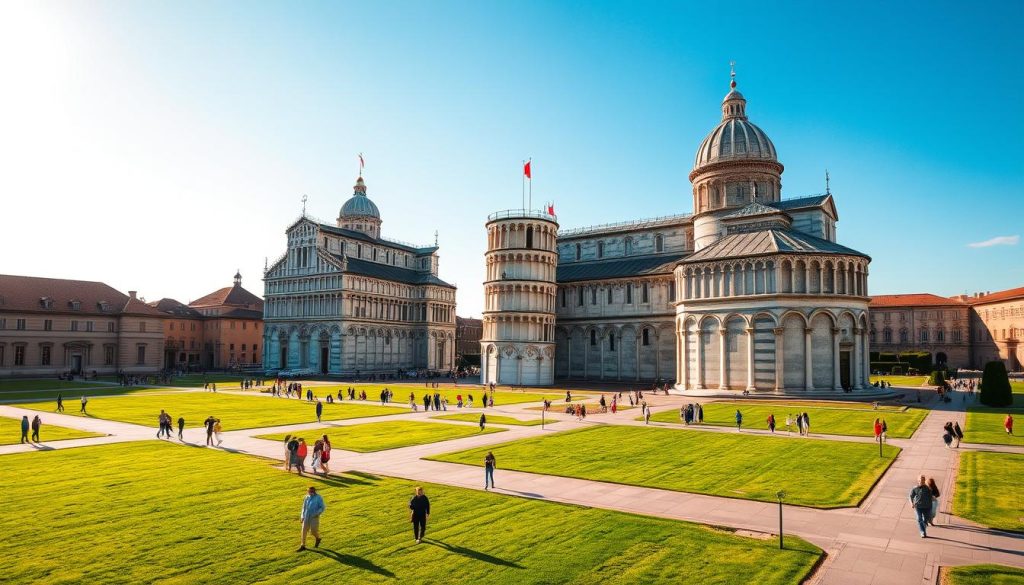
563 298
940 335
231 346
672 291
887 335
629 294
529 237
1 354
19 355
74 325
609 295
611 342
140 357
593 337
48 325
645 336
593 295
375 254
243 347
110 327
579 252
20 324
142 326
600 249
88 325
659 243
579 296
255 348
3 323
923 335
643 294
171 328
232 324
956 335
244 324
44 355
903 335
627 246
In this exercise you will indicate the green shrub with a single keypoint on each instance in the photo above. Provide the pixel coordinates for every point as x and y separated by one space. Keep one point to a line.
995 385
937 378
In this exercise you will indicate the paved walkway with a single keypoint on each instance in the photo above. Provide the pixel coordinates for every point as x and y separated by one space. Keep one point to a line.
875 543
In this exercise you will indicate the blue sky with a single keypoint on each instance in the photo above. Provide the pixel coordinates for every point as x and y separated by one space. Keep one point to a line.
162 145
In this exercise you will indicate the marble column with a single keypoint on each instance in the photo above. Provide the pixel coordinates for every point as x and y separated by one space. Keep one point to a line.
837 380
723 380
750 359
698 383
856 378
683 363
779 368
808 369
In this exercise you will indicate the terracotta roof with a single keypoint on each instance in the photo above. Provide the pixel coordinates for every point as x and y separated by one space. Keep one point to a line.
1002 295
176 308
912 300
235 296
59 295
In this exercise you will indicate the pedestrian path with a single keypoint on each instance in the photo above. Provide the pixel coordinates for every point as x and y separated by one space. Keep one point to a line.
875 543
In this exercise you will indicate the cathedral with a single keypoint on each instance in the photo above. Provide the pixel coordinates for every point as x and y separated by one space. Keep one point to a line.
750 292
344 300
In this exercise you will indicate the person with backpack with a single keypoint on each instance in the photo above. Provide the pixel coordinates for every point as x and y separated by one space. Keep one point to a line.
921 499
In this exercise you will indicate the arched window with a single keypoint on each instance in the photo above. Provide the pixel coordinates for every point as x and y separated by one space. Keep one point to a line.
887 335
529 237
609 295
611 342
593 337
940 335
903 335
578 252
873 336
659 243
646 337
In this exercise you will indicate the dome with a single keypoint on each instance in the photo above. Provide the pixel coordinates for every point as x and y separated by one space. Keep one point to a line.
735 137
359 205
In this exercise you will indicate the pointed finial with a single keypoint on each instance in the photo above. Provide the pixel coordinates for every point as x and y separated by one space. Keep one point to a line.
435 237
828 190
304 199
732 74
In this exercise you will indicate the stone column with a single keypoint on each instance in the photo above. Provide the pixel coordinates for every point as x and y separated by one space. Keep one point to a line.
779 368
837 380
699 370
684 364
750 359
855 381
808 370
723 381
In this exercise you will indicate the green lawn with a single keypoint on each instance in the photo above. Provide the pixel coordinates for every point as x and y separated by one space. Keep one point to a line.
836 419
159 513
380 436
75 394
983 575
223 381
985 425
10 432
235 412
45 383
733 465
910 381
988 489
402 391
496 419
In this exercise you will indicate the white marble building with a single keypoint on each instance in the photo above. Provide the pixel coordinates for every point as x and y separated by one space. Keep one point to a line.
345 300
750 292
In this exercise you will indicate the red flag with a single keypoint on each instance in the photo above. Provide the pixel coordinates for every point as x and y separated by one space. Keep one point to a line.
361 164
551 208
526 170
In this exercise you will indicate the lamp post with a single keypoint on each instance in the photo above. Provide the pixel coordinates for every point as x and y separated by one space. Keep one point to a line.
780 495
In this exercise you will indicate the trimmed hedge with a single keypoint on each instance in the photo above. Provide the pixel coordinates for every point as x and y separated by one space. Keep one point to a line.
937 378
995 386
919 360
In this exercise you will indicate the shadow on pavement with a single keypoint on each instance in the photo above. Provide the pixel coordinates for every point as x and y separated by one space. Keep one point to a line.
353 561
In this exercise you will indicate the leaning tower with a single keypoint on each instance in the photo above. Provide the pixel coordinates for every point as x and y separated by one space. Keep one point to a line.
518 342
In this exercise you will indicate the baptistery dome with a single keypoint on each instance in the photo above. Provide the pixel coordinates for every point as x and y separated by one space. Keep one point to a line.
735 137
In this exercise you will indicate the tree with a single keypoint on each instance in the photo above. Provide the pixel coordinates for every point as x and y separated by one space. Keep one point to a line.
937 378
995 385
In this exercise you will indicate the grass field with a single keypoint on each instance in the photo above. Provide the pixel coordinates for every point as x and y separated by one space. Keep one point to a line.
906 381
402 391
731 465
45 383
836 419
380 436
983 575
10 432
496 419
988 489
235 412
985 425
73 395
159 513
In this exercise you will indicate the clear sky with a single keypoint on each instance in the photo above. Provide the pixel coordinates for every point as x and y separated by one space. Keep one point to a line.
160 146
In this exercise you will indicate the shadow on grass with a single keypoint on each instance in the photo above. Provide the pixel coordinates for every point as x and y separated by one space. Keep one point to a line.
473 554
353 561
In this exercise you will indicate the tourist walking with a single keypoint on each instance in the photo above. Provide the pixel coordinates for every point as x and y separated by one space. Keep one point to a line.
807 424
312 507
921 499
935 500
739 421
647 414
60 402
885 430
164 427
181 428
24 429
1008 424
489 464
217 430
36 424
289 450
208 423
483 421
958 433
771 422
84 402
325 457
319 409
878 430
300 454
419 508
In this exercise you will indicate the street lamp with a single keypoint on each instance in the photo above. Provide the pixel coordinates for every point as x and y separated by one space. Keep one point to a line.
781 495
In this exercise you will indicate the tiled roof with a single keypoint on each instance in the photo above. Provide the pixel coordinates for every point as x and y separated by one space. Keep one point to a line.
1003 295
26 293
176 308
382 241
618 267
800 202
387 272
230 295
765 242
911 300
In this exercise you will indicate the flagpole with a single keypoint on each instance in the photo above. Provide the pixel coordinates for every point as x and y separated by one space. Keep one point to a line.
531 186
522 171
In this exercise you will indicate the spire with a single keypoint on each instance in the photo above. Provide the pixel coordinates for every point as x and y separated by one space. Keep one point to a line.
238 278
360 187
828 191
734 105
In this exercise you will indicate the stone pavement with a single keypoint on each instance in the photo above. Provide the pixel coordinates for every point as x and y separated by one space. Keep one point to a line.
875 543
